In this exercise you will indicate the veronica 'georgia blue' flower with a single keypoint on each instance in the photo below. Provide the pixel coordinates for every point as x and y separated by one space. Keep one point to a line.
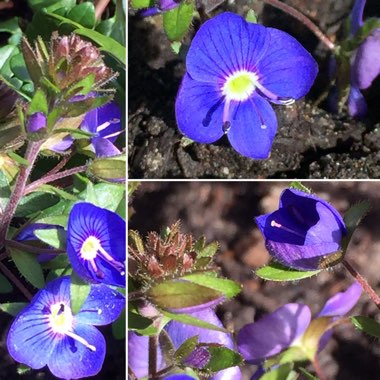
234 69
291 326
47 333
365 65
302 231
96 244
179 332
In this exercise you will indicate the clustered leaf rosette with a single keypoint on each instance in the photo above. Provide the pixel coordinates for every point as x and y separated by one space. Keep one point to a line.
178 334
234 70
303 232
291 327
365 64
96 240
47 333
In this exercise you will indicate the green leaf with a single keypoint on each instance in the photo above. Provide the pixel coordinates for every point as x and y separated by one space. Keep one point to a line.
39 103
57 214
277 272
179 294
54 237
209 250
18 67
284 372
299 186
140 4
13 308
177 21
222 358
109 195
367 325
190 320
186 348
251 17
228 287
79 291
110 168
55 190
5 285
17 158
119 26
23 369
5 191
34 202
58 262
29 267
6 52
83 14
307 374
140 324
51 5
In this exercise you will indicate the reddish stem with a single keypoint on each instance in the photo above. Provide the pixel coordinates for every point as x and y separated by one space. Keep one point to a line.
100 7
363 282
304 19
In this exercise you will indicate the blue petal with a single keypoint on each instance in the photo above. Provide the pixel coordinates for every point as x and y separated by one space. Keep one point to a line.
247 134
357 16
87 220
73 360
102 306
199 109
342 302
31 339
104 148
287 69
181 376
273 333
223 45
357 106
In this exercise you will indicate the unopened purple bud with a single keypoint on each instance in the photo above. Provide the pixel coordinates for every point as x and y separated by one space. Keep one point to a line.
36 122
166 5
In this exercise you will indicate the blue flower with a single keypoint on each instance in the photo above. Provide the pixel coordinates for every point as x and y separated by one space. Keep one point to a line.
365 66
303 231
96 244
178 333
36 122
234 69
291 326
162 6
47 333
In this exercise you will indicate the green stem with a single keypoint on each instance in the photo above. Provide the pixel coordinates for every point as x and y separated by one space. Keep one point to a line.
363 282
19 187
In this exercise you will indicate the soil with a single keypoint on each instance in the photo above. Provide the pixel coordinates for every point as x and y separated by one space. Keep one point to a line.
310 143
225 212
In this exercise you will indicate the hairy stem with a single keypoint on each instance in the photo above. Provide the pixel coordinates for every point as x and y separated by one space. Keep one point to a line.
32 248
152 361
15 281
60 165
54 177
19 187
363 282
304 19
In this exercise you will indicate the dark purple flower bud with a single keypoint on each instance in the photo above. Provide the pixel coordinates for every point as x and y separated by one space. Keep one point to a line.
164 5
291 326
303 231
198 358
36 122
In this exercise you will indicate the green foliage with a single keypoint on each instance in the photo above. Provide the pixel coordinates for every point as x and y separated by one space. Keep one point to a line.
178 20
29 267
299 186
79 291
38 103
54 237
12 308
5 190
34 202
251 17
222 358
140 324
284 372
277 272
83 14
5 285
367 325
118 327
110 168
141 4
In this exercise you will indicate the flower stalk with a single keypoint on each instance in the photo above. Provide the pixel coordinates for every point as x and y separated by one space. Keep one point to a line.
152 360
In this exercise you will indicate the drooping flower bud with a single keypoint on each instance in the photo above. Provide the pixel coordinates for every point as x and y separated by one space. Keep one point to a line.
36 122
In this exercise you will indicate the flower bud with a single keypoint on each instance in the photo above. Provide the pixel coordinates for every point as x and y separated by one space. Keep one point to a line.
36 122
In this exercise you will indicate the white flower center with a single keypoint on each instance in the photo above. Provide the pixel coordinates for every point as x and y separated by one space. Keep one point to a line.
90 248
240 85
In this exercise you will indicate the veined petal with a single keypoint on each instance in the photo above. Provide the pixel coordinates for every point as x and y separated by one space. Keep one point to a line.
253 127
73 360
102 306
273 333
287 69
107 234
199 110
342 302
223 45
104 147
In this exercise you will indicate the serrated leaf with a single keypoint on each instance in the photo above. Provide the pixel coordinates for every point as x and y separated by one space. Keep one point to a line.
181 294
55 237
228 287
5 285
276 272
367 325
13 308
222 358
29 267
79 291
186 348
190 320
209 250
299 186
177 21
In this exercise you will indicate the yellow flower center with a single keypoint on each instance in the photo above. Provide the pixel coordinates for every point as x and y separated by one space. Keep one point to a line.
90 248
240 85
61 318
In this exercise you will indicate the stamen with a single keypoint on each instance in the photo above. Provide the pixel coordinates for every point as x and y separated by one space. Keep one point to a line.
103 126
273 97
116 264
273 223
81 340
113 134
